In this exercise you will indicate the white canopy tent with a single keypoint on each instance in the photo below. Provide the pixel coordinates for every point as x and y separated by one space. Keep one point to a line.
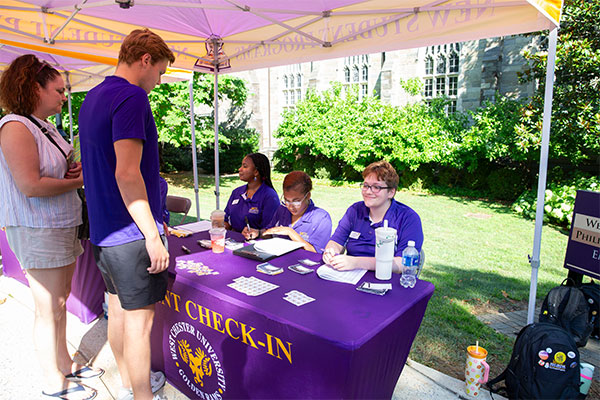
214 36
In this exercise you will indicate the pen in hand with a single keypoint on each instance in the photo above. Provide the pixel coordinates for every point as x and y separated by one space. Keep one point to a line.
248 227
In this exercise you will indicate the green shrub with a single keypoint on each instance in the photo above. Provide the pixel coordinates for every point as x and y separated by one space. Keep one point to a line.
175 158
559 199
338 135
506 183
234 143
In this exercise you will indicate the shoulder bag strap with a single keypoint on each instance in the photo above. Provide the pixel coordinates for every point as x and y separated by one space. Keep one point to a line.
45 132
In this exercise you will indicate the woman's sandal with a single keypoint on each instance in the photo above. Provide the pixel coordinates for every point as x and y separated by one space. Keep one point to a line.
63 393
85 373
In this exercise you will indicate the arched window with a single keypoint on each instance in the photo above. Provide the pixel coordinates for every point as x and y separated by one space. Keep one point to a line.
428 65
442 68
356 72
441 65
292 80
453 67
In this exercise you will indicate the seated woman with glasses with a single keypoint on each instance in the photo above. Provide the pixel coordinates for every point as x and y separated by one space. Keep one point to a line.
251 206
356 229
297 217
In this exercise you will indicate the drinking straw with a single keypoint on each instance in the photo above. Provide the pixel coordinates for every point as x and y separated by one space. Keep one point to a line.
477 347
385 223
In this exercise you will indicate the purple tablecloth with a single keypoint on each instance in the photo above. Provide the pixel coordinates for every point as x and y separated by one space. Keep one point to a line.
87 288
212 340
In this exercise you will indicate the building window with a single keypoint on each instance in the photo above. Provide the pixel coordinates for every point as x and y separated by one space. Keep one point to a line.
452 107
442 68
453 69
429 66
441 65
429 87
292 85
452 86
356 72
440 86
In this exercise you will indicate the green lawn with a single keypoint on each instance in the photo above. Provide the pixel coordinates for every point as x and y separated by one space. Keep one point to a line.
476 256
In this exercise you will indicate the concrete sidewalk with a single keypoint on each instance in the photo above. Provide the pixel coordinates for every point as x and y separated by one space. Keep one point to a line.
19 377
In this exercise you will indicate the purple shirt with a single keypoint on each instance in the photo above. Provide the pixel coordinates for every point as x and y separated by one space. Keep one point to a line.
314 225
112 111
356 232
259 209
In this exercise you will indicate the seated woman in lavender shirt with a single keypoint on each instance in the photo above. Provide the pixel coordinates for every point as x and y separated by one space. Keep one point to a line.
356 230
297 217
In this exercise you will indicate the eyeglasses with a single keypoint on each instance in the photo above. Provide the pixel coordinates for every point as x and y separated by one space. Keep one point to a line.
374 188
287 203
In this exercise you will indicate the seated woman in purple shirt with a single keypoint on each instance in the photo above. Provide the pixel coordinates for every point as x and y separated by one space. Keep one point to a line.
251 206
356 229
297 217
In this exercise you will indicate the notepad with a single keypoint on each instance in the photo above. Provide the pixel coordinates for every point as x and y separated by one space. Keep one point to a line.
352 277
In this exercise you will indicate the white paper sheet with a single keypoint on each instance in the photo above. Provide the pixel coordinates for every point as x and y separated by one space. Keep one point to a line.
352 277
277 246
199 226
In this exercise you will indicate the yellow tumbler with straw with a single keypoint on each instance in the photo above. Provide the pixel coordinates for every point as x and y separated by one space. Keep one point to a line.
477 371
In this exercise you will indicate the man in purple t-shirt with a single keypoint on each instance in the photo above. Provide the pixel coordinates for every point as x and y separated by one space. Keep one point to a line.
119 147
356 230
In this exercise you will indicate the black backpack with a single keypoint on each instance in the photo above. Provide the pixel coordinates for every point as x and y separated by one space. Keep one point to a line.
567 307
591 291
544 365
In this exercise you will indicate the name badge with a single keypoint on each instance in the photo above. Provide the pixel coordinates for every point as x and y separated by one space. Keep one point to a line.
354 235
233 203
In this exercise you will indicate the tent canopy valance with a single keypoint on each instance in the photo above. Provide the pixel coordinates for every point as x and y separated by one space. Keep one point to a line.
241 35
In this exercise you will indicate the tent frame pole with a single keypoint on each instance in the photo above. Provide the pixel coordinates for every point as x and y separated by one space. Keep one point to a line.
539 212
216 111
193 129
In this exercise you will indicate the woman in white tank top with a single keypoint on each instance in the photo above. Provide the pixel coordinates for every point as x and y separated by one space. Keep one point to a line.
40 210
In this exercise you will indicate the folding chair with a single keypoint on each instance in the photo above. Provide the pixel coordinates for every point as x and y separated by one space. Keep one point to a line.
421 262
179 205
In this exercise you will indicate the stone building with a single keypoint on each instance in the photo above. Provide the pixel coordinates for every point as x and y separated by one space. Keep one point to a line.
468 73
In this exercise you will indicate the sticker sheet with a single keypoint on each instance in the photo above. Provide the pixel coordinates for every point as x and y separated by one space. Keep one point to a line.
251 286
298 298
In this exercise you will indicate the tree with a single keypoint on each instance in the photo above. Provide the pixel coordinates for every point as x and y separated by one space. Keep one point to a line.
575 129
334 135
171 107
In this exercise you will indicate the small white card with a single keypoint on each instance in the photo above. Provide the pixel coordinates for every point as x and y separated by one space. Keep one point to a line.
354 235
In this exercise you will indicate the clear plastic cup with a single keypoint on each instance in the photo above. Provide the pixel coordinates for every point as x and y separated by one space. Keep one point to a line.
217 239
217 219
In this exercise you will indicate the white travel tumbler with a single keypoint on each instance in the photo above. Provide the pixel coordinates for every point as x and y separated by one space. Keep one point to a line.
385 244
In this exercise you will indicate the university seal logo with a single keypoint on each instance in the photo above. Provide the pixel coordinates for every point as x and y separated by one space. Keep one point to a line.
198 364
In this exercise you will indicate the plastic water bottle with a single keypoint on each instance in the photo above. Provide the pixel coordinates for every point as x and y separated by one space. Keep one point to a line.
410 262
